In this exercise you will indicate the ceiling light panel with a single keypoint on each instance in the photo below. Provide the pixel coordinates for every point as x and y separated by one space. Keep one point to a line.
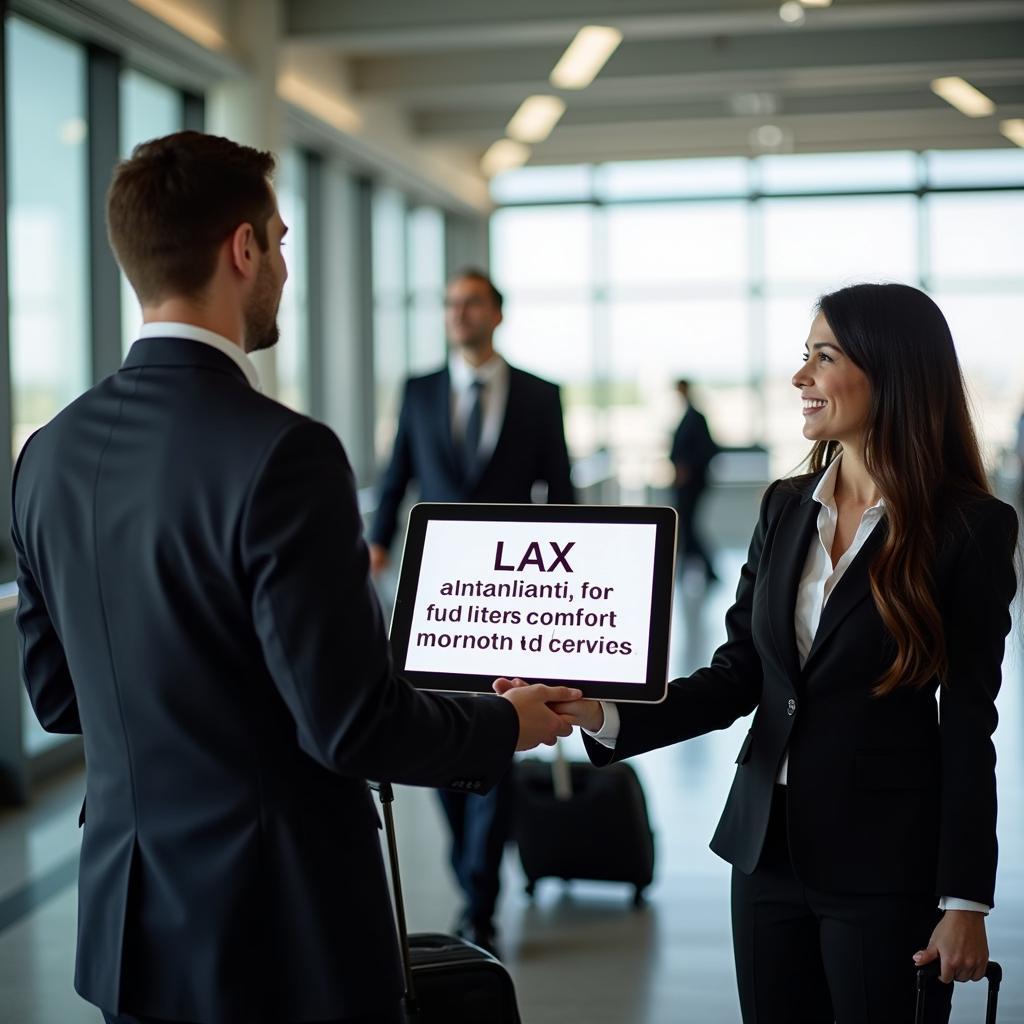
1013 130
504 155
962 95
585 56
535 118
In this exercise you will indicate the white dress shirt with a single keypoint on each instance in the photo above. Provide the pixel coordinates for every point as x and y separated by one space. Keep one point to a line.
190 332
817 583
493 399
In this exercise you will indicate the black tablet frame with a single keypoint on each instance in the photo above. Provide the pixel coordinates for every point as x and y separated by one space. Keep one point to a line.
652 691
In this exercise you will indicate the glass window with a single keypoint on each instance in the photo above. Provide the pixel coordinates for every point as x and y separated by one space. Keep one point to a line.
653 344
47 225
540 184
669 179
426 282
830 242
149 109
837 172
988 331
390 359
556 341
543 248
976 236
664 275
973 168
292 351
686 245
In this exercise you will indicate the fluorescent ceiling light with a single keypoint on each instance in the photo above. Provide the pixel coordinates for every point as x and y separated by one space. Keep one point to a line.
585 56
816 3
535 118
962 95
1013 130
504 155
792 12
196 26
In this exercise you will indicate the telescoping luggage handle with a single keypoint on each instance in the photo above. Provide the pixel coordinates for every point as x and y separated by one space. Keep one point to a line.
994 974
387 798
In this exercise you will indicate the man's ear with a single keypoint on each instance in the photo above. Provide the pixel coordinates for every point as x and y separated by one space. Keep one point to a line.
244 251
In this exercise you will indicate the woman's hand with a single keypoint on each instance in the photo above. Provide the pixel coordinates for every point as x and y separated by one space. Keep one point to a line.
960 943
587 714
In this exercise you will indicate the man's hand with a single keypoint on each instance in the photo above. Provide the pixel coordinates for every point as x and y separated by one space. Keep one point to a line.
379 559
960 944
588 714
538 723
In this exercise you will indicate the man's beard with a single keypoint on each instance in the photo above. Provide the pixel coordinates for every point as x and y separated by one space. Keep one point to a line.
261 330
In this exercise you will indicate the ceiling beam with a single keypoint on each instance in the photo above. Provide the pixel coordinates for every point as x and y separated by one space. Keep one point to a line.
805 134
407 26
480 127
431 76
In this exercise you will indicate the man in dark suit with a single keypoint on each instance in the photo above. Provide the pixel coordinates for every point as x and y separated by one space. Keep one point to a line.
195 600
478 430
692 451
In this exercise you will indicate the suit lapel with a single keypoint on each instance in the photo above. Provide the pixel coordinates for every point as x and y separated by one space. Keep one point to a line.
850 591
797 526
442 402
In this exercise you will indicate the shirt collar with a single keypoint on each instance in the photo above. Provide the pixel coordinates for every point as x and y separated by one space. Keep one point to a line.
190 332
825 491
462 374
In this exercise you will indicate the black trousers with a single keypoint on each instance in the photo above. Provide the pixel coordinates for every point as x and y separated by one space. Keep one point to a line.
386 1017
810 957
691 544
480 828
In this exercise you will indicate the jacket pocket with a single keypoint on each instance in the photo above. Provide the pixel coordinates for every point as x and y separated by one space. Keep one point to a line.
890 771
744 755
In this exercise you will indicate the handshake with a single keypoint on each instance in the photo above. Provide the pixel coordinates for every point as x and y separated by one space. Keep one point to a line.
547 712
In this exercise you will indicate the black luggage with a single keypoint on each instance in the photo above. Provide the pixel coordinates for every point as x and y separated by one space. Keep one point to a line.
577 821
447 979
993 974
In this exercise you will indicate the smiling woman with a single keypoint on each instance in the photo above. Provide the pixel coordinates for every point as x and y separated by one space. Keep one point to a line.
875 583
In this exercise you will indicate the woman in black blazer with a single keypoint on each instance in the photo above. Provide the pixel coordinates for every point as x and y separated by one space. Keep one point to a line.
861 822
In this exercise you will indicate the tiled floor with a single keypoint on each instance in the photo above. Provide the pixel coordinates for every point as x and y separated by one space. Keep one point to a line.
580 953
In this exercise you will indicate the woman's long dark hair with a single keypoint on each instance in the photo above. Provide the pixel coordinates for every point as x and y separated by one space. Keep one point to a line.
921 451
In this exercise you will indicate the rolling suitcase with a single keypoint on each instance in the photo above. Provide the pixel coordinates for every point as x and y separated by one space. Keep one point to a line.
577 821
447 979
993 974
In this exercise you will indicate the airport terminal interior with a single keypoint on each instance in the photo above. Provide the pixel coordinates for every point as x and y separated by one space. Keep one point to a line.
671 209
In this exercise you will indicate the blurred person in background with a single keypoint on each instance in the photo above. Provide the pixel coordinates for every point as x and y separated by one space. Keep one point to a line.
692 451
477 430
861 824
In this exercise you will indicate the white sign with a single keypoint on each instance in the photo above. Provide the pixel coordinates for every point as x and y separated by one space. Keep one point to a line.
536 600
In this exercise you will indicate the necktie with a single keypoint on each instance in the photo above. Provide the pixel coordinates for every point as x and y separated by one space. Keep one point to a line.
471 435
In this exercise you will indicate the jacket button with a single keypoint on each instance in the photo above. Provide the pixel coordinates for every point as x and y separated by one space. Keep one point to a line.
790 706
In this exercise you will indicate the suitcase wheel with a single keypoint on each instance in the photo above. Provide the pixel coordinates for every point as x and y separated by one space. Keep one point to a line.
638 897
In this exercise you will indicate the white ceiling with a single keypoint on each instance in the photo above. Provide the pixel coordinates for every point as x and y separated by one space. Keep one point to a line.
691 78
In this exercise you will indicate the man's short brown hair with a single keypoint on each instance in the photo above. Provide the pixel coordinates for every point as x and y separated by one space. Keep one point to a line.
172 204
473 274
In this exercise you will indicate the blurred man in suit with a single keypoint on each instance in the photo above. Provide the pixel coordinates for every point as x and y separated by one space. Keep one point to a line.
692 450
477 430
194 598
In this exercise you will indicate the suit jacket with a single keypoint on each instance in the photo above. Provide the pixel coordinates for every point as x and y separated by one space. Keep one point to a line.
884 795
531 448
194 599
692 445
